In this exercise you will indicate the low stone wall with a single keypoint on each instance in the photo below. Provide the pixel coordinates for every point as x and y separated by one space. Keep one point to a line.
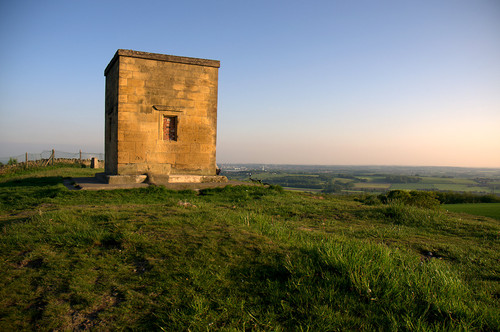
48 162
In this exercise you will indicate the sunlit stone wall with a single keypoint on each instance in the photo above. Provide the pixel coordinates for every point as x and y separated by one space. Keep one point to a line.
161 114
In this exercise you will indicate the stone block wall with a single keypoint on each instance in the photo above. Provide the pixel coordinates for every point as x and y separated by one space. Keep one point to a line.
161 114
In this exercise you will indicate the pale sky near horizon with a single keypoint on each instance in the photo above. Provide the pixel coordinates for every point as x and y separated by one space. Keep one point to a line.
301 82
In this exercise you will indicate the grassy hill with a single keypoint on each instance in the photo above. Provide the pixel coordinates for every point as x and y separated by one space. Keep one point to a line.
238 258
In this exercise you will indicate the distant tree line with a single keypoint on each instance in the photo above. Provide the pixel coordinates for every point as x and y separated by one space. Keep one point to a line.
451 197
431 199
297 181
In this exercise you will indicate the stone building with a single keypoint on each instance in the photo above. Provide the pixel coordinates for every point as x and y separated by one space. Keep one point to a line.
161 117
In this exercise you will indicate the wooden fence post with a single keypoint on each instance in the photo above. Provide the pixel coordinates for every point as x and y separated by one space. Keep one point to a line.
26 163
80 156
53 154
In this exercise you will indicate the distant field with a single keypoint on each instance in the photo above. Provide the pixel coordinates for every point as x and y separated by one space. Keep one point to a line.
368 185
491 210
373 178
342 180
311 190
413 186
435 180
354 182
265 176
461 187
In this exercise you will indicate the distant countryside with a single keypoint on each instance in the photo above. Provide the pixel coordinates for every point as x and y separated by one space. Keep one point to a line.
473 191
366 179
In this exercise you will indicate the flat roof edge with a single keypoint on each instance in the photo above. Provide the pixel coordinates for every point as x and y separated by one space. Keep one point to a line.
162 57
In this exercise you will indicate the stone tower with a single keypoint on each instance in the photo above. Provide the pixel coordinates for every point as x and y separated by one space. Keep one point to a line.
161 117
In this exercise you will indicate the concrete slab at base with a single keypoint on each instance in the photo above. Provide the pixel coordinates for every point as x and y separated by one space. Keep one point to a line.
93 183
159 178
121 179
184 178
195 179
215 178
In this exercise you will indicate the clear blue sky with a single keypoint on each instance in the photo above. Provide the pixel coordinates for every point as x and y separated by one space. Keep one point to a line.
304 82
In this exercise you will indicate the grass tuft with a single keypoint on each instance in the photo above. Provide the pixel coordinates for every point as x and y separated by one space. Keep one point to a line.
399 213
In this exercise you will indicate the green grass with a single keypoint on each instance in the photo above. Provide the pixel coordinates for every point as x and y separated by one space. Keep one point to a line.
491 210
239 258
58 169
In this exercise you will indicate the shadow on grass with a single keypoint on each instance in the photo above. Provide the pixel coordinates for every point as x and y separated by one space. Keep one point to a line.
32 182
289 294
26 194
13 219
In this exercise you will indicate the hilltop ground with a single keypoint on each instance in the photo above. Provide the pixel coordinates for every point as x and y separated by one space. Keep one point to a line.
238 258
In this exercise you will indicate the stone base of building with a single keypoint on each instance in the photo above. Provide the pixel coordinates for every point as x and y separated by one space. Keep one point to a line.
185 178
159 179
120 179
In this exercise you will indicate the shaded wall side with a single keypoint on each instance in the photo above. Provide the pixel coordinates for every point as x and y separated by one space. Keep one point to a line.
111 120
214 119
149 90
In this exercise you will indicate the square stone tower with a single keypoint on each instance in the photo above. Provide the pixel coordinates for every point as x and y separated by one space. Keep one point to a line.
161 116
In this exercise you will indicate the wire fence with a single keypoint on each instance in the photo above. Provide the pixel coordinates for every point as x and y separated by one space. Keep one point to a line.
50 154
